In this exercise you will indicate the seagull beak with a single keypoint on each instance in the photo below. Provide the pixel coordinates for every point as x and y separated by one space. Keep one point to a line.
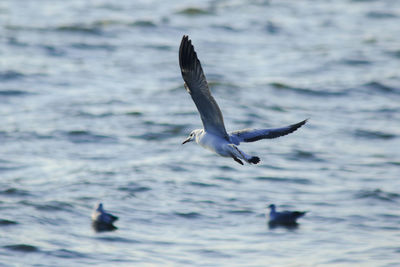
186 140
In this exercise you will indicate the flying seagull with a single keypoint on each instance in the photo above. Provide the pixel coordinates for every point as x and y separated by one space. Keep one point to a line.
101 220
213 136
284 217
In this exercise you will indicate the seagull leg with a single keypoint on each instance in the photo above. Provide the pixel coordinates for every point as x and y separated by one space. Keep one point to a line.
236 153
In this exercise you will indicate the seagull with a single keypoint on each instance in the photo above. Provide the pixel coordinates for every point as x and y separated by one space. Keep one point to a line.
101 220
284 217
214 136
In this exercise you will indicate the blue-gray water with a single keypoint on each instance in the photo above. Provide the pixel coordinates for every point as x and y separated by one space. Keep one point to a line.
93 108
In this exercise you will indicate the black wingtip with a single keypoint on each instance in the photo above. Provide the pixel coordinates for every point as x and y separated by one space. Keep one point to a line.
296 126
186 53
302 122
185 39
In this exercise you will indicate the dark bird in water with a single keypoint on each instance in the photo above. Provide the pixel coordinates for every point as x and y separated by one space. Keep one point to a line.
214 136
285 218
101 220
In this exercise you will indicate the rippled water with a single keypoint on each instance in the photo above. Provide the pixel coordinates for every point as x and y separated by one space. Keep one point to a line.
93 109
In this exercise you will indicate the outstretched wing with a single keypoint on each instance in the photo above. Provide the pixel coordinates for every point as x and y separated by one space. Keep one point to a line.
251 135
196 85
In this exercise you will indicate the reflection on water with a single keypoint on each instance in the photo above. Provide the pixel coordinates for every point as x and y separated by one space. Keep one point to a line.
289 226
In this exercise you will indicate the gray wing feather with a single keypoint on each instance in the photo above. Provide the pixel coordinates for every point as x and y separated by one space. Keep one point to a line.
251 135
196 85
288 217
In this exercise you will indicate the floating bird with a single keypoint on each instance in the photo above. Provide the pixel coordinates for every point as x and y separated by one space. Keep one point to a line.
101 220
213 136
288 218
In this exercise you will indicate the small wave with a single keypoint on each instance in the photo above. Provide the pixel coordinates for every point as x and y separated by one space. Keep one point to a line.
356 61
394 53
155 136
134 113
161 47
86 46
171 131
216 85
106 22
82 136
134 188
276 108
199 184
143 23
380 15
306 91
14 41
5 222
272 28
21 135
9 165
55 206
52 50
22 248
3 135
241 211
283 180
226 168
210 253
378 194
15 192
188 215
229 179
49 205
12 92
68 254
382 87
10 75
94 115
304 155
194 11
94 28
225 27
374 134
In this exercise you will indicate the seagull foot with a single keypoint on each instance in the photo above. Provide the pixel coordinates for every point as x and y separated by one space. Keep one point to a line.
238 160
254 160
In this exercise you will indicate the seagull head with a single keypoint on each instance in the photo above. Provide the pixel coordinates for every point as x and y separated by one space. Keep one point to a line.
99 207
272 207
192 136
